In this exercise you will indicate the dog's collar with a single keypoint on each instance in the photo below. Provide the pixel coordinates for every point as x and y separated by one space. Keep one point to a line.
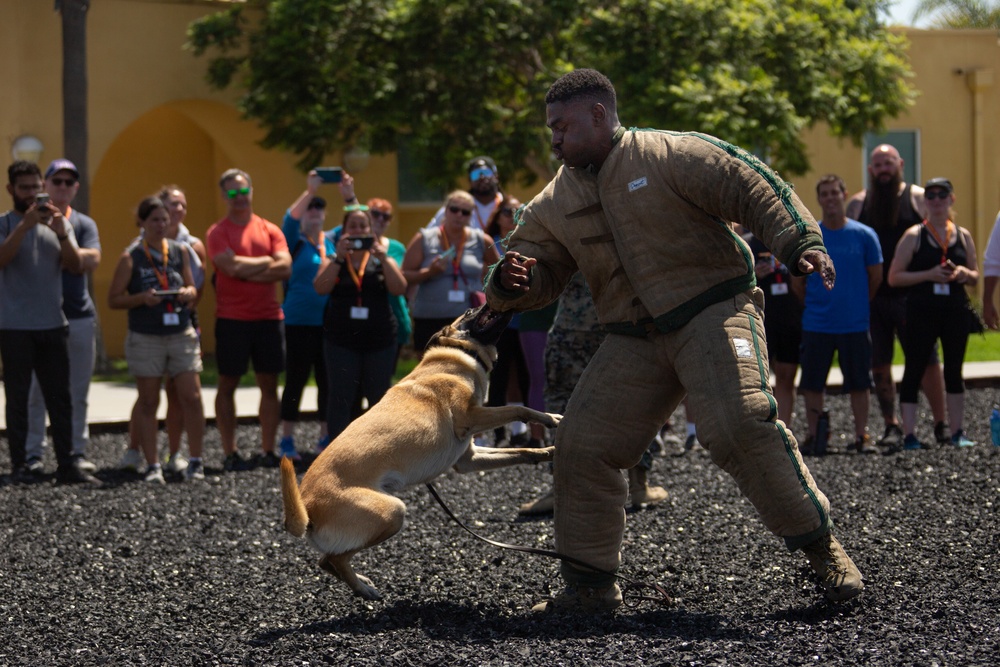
479 360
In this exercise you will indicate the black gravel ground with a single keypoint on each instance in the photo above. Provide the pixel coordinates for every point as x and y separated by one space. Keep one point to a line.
202 574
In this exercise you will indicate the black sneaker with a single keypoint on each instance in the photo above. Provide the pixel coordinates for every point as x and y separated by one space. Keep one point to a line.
234 463
267 460
807 447
73 474
941 433
23 475
893 437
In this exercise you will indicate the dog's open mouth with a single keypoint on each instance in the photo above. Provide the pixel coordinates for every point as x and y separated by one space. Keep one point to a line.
486 324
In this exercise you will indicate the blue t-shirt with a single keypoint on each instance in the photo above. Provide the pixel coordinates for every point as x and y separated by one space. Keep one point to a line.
844 309
302 305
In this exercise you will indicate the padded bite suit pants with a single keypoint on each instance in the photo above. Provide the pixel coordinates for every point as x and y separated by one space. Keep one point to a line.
628 391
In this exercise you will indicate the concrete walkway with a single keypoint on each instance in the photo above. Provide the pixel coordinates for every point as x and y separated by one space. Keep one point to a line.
111 403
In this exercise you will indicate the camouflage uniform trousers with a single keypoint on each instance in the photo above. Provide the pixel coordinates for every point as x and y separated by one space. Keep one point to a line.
567 354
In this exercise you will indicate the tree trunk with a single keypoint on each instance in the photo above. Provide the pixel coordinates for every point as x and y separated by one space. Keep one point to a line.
75 126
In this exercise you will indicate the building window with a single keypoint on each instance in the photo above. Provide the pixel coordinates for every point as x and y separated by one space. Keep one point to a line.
907 142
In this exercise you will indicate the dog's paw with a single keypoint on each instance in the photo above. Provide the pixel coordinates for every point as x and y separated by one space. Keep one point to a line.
554 420
544 454
367 589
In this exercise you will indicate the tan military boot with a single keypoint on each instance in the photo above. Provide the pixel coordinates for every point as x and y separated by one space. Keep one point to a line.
639 490
838 575
583 600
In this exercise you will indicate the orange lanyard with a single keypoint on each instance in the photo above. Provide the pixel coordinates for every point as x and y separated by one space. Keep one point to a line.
358 276
163 278
947 239
456 261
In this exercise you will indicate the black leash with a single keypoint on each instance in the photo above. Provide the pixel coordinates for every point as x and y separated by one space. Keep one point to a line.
634 588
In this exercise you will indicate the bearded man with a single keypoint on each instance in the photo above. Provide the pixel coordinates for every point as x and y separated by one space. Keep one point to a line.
890 206
484 186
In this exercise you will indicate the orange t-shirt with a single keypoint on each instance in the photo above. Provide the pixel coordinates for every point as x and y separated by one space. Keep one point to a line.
237 299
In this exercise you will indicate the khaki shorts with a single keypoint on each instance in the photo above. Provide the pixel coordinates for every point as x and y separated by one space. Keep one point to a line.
154 356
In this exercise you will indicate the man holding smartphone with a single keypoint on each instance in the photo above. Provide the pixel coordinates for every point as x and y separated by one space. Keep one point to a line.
250 256
35 244
62 182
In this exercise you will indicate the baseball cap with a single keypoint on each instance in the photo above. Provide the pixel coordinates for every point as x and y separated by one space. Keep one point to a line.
317 202
60 165
939 183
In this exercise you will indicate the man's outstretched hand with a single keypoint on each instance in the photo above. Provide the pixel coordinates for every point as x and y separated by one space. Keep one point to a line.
816 261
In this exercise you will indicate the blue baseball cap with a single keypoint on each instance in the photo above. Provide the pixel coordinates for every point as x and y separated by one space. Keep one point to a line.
62 164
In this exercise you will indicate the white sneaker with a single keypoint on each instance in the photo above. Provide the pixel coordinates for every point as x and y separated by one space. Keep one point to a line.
155 475
131 460
83 464
176 464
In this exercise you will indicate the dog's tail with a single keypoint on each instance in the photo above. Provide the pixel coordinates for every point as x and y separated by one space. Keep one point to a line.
296 517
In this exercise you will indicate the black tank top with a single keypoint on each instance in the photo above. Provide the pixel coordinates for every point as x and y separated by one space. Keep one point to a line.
889 235
928 256
149 319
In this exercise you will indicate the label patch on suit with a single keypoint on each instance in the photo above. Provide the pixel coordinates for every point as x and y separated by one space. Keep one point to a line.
638 183
743 348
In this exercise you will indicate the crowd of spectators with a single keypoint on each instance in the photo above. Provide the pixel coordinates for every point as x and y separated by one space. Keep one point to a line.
339 305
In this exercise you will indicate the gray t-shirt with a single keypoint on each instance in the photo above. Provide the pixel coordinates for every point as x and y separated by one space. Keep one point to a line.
77 303
432 300
31 284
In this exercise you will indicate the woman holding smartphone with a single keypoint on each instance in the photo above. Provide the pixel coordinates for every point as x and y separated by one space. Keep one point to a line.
448 264
935 260
153 281
359 328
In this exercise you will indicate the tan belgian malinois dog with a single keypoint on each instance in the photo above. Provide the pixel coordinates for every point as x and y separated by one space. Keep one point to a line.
422 427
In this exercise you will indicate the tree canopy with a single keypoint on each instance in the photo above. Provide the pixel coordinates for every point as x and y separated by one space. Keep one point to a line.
457 79
960 13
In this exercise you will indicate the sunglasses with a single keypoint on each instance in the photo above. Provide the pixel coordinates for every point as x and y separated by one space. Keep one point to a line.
465 212
64 181
507 211
936 194
481 172
381 215
315 207
233 194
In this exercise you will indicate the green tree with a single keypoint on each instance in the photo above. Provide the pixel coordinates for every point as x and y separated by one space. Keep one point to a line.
458 79
959 13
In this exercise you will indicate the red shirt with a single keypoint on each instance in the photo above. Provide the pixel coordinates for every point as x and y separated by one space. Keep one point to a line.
237 299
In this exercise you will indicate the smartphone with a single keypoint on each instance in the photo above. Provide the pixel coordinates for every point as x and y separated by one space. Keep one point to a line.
166 292
330 174
41 199
361 242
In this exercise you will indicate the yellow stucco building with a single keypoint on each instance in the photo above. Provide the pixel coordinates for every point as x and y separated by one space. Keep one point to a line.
153 120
